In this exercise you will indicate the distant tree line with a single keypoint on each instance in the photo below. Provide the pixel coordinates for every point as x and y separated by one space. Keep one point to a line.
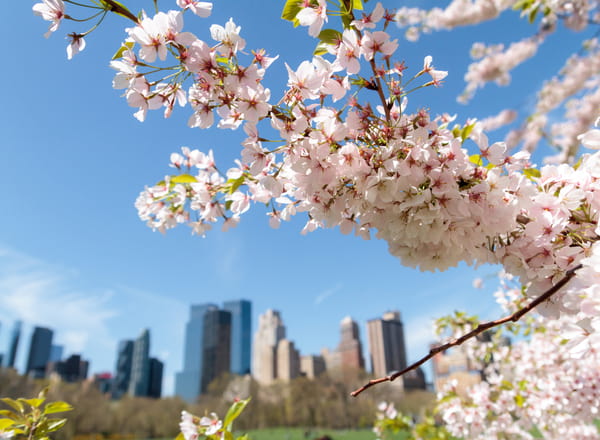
324 402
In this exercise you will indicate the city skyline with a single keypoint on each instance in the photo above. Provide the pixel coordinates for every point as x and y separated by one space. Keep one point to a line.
138 374
350 349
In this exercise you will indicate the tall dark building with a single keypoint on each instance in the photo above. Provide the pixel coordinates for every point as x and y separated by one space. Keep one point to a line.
187 382
386 344
140 365
155 379
120 385
241 335
39 352
216 353
14 344
72 369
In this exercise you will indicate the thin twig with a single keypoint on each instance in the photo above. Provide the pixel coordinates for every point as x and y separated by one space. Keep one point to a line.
476 331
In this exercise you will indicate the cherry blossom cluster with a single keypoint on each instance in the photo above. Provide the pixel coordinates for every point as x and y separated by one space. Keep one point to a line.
579 78
418 190
503 118
534 385
576 14
495 63
211 427
457 13
193 427
558 229
220 84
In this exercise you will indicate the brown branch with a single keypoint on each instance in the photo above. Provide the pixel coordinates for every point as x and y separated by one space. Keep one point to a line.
476 331
373 67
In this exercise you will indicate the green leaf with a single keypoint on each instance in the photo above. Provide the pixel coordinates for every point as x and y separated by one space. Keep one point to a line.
466 131
52 425
128 45
14 404
519 400
184 178
533 14
242 437
321 49
522 5
357 4
180 436
456 131
291 9
236 183
476 159
234 411
6 423
124 12
55 407
330 36
531 173
34 403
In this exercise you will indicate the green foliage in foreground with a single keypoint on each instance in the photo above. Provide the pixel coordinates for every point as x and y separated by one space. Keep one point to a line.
28 418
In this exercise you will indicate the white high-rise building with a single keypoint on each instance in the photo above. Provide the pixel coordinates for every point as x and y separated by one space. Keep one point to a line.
288 361
264 356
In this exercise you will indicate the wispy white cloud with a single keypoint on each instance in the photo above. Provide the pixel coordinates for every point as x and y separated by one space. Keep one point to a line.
327 293
40 293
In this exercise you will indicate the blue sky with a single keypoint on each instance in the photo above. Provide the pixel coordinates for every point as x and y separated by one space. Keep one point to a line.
75 257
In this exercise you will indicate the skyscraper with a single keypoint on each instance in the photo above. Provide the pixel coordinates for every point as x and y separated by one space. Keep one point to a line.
216 346
155 380
312 366
241 335
72 369
264 358
56 353
122 378
14 344
288 360
140 365
188 381
386 344
39 352
350 347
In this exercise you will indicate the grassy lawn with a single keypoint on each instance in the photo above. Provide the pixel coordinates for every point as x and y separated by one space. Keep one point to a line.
301 434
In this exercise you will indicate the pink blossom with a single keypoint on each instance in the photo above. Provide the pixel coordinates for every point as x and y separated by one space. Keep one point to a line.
314 17
377 42
201 9
76 45
590 139
50 10
229 37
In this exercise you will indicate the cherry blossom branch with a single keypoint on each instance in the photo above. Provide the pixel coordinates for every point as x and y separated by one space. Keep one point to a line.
373 65
514 317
